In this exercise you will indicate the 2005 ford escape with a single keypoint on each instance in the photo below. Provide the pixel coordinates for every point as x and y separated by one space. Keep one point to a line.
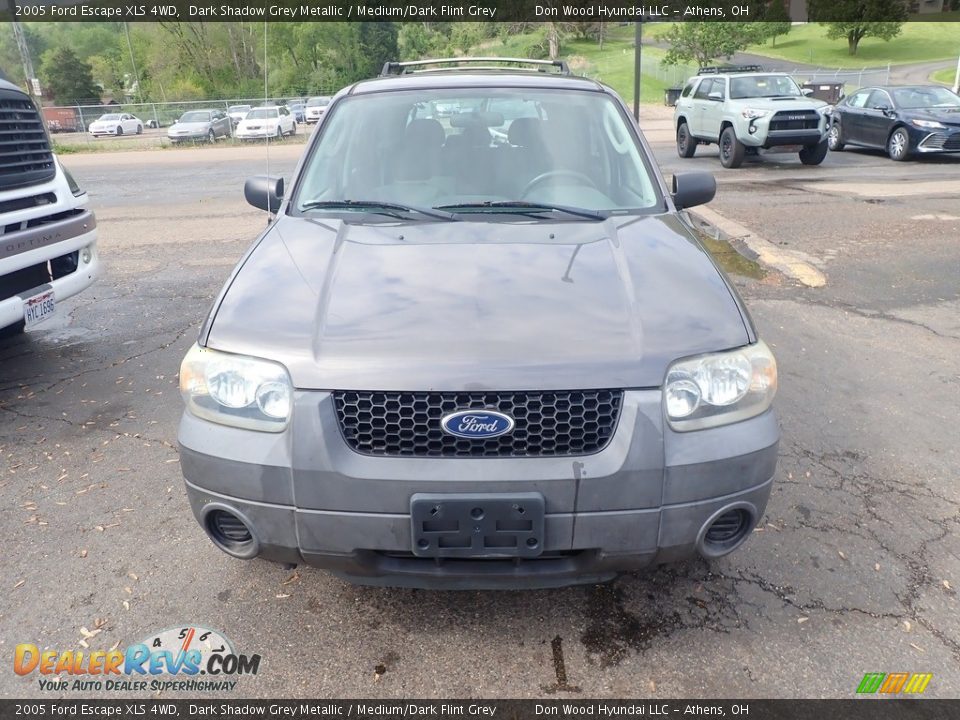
478 348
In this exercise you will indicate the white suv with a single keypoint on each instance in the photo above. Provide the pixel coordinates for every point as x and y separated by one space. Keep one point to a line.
746 112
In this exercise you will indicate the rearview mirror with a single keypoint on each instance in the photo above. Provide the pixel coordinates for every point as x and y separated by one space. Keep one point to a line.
692 189
264 192
715 95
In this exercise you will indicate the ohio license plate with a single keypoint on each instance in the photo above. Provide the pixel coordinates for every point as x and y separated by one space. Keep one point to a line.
38 308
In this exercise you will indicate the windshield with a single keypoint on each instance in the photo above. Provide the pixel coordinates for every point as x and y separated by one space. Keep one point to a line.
195 117
925 97
318 102
238 108
112 116
482 147
758 86
261 114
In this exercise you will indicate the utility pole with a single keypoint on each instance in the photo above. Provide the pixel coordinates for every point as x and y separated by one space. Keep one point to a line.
637 40
956 78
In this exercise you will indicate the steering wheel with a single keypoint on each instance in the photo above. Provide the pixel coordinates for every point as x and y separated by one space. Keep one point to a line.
551 174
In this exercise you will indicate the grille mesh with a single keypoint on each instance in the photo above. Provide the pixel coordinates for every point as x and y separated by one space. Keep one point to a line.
559 423
790 120
25 156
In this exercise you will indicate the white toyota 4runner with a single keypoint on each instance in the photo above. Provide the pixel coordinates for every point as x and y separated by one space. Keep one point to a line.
745 112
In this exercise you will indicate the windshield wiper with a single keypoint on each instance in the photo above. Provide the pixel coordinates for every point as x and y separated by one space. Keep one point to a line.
526 208
378 207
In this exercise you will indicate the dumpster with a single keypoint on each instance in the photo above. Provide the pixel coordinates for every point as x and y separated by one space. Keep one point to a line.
671 95
828 92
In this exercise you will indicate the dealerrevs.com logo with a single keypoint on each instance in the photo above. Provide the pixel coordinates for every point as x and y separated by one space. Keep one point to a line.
187 659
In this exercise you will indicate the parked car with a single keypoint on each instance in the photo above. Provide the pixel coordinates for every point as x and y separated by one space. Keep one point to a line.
745 111
315 108
49 247
207 124
116 124
269 121
915 119
238 113
297 110
452 364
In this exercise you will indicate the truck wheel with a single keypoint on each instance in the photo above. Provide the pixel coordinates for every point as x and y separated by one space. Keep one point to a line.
835 137
686 145
13 330
814 154
731 149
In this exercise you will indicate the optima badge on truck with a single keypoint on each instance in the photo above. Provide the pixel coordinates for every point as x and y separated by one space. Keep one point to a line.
478 347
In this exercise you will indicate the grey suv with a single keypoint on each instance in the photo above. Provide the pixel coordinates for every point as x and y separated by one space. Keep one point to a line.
457 362
746 112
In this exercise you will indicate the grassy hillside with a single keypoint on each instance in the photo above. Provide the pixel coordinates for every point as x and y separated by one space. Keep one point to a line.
945 76
917 42
613 65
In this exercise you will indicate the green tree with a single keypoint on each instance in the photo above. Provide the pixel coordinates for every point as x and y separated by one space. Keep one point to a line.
67 78
702 42
862 18
776 21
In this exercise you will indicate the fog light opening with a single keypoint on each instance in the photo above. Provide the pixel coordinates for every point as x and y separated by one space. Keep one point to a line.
725 531
230 533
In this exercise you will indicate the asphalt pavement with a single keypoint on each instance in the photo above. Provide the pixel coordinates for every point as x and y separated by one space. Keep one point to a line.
854 568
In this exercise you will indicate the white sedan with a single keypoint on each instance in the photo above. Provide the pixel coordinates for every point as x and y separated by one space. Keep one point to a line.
116 124
272 121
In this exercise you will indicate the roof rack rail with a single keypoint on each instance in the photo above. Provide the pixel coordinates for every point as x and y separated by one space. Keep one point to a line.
560 67
729 69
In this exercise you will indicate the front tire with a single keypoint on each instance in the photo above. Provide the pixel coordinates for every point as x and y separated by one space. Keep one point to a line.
18 328
293 130
835 137
211 137
814 154
119 131
898 145
139 129
686 145
731 149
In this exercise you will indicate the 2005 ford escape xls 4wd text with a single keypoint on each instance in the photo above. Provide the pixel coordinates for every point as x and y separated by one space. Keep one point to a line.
478 349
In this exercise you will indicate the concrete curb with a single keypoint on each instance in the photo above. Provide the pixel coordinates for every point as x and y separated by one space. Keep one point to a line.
789 263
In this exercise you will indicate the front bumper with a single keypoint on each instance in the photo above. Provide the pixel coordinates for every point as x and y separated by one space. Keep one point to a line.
937 141
763 137
255 134
646 498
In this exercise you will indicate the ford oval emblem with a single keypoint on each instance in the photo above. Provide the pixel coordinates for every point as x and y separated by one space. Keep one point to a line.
477 424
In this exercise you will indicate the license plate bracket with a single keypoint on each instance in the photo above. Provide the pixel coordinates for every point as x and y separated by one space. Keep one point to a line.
477 525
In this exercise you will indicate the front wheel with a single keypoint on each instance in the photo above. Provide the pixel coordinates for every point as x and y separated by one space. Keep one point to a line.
119 131
835 138
814 154
731 149
139 129
898 146
686 145
293 130
211 137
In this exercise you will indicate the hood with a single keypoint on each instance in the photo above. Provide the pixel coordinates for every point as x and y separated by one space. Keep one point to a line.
947 116
190 127
475 305
257 122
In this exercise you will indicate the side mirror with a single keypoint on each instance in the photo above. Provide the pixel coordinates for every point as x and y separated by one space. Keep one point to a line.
715 95
264 192
807 91
692 189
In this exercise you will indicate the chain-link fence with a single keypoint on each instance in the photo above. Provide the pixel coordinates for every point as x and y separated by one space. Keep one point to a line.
70 123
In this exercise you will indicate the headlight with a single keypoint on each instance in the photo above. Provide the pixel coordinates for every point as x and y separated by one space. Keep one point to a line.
237 390
720 388
927 124
753 113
